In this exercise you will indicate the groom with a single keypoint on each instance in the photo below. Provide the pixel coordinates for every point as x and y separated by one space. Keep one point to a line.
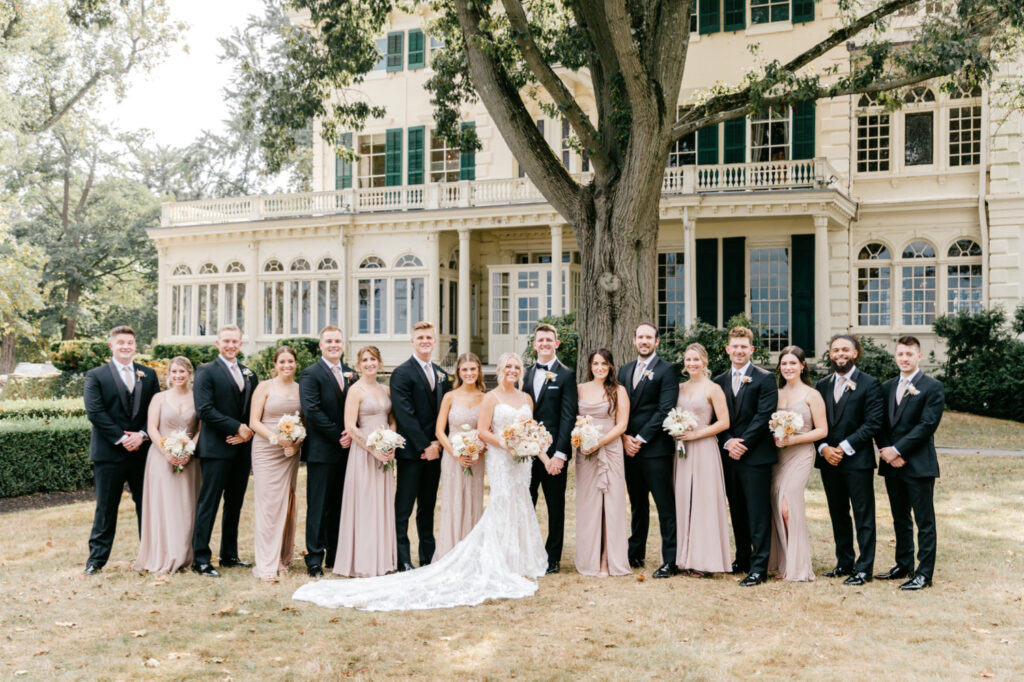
553 387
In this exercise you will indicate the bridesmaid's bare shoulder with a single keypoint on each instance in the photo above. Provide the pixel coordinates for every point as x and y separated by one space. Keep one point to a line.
714 391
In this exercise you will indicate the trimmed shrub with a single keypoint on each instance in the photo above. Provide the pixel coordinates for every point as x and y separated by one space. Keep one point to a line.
307 351
80 355
568 351
197 353
63 385
674 342
44 455
42 409
876 360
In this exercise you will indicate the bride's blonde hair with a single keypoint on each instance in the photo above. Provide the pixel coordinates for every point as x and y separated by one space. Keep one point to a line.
503 361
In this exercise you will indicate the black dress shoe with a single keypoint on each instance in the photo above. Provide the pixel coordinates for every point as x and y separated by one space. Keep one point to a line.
858 578
553 567
406 567
206 569
666 570
752 579
315 571
918 582
739 569
894 573
838 572
636 563
232 563
92 569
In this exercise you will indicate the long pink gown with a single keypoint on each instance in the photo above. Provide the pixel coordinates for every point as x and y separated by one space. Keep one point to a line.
462 495
791 549
274 476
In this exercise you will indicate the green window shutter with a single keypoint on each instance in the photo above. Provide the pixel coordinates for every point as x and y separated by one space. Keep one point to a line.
417 51
735 147
734 277
707 281
343 168
802 294
707 146
735 14
415 155
708 17
393 157
803 130
467 160
395 51
803 10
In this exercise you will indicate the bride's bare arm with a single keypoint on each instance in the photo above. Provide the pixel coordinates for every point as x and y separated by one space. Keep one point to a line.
483 424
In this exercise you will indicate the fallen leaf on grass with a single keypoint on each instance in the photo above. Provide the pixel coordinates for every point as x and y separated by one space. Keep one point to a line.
639 578
159 581
986 673
980 631
65 624
609 645
139 633
19 673
41 653
49 543
215 659
224 611
151 663
629 620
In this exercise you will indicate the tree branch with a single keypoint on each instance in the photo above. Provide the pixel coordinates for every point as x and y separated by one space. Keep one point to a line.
635 74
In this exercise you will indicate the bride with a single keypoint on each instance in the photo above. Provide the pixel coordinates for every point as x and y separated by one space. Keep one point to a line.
498 557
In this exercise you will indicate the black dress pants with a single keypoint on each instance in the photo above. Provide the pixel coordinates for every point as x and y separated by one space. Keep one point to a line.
417 485
554 498
227 479
846 489
654 476
906 494
324 484
109 479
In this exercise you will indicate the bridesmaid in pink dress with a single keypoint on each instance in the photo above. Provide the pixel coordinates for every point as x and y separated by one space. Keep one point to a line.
169 498
367 545
791 544
702 528
462 494
275 468
602 533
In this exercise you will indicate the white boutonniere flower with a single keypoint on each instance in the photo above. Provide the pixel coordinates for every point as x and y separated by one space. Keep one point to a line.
139 373
745 379
247 372
441 376
649 374
349 376
912 389
851 386
549 376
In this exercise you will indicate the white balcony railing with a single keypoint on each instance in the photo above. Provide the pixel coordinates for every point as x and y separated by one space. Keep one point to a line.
770 175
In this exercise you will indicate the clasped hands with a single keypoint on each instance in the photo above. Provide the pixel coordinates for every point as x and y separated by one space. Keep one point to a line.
833 454
243 436
133 440
735 448
890 455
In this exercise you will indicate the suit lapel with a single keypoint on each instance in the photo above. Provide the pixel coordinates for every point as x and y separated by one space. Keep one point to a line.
640 385
891 401
742 393
544 384
906 396
326 371
845 397
137 392
247 384
417 368
122 390
729 398
830 403
438 381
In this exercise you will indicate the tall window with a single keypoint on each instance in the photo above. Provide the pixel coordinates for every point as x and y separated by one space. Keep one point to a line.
769 294
566 149
299 298
919 127
181 303
372 298
327 302
873 135
918 283
671 291
444 160
769 135
372 160
964 285
874 286
501 303
273 300
409 296
965 128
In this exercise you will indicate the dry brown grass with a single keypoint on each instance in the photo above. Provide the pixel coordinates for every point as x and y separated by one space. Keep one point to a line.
58 624
962 430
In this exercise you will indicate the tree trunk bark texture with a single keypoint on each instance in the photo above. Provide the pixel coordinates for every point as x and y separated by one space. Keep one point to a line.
7 359
71 316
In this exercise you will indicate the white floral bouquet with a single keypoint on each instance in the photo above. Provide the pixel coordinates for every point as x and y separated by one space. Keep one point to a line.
384 441
178 444
289 427
467 443
676 424
586 435
525 439
785 423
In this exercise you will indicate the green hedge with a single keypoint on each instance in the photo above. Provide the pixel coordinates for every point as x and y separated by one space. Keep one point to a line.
674 342
42 409
307 351
568 350
197 353
876 360
80 355
44 456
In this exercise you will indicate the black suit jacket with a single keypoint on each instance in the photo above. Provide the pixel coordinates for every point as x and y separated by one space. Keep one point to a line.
323 405
649 403
222 408
556 406
910 427
856 418
749 413
113 410
416 406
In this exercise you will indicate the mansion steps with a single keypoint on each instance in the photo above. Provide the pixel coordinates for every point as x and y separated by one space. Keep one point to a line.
828 217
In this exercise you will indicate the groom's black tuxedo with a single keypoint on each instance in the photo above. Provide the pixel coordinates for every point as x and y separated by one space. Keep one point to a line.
748 480
855 420
222 408
909 428
112 410
323 405
555 406
650 470
415 406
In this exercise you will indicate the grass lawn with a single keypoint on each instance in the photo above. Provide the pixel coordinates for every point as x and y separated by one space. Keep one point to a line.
121 625
962 430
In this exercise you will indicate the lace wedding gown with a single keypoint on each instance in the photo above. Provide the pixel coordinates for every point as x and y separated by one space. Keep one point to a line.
495 561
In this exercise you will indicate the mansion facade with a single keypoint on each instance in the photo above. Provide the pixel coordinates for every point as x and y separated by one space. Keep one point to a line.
829 217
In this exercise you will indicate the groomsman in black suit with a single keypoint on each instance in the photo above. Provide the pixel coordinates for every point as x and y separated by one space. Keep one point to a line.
222 390
117 397
914 402
553 387
417 387
653 386
748 453
846 457
322 390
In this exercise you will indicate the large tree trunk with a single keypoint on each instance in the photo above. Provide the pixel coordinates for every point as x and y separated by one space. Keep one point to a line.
7 354
71 314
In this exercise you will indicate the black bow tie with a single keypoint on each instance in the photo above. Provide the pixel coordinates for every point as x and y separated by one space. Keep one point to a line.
545 368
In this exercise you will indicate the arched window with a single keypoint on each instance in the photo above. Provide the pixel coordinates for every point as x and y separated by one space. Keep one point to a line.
300 265
963 277
207 269
408 261
273 265
874 286
327 263
371 263
918 283
181 270
234 266
919 95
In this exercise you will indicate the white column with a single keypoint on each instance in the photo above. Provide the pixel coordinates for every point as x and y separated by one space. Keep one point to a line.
433 283
822 292
556 270
465 301
163 294
343 283
253 300
690 267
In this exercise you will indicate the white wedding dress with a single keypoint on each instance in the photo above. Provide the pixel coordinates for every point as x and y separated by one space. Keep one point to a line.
495 561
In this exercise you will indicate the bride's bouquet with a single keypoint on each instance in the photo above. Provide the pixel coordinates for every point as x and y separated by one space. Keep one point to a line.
384 441
467 443
676 424
785 423
178 444
525 439
586 435
289 427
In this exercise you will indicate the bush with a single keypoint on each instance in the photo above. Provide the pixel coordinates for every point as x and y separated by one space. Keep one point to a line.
674 342
876 360
307 351
984 368
197 353
63 385
80 355
44 455
42 409
568 351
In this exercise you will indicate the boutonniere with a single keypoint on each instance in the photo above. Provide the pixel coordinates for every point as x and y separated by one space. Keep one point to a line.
441 376
851 386
912 389
649 375
247 372
745 379
349 376
139 373
549 376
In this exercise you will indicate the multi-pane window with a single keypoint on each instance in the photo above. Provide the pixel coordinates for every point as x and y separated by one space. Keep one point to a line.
671 291
874 286
372 302
372 160
181 303
918 286
965 129
964 283
769 294
919 128
327 301
769 135
765 11
566 149
234 266
527 300
444 160
300 293
409 296
501 302
684 151
873 137
407 301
